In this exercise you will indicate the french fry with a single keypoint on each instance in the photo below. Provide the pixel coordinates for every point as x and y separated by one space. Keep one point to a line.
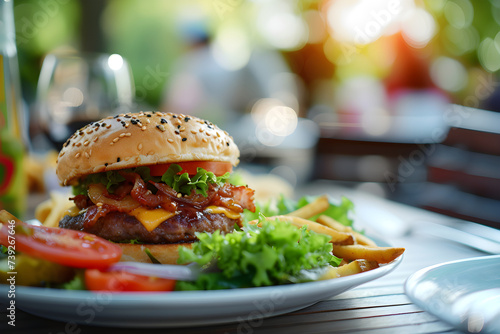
336 236
378 254
332 223
354 267
51 211
312 209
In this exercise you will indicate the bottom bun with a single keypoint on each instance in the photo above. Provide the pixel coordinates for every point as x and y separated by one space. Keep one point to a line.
165 253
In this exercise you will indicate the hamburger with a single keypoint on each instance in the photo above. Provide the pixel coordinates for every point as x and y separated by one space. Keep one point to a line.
150 180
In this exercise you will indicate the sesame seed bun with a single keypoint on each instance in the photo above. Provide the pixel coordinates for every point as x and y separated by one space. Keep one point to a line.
142 139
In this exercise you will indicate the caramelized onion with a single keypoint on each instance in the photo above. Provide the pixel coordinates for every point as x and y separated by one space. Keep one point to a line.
97 195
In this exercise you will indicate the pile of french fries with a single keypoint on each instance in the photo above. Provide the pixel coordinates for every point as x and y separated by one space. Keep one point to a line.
358 252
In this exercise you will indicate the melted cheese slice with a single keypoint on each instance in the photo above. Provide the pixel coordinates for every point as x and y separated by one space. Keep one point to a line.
218 209
151 218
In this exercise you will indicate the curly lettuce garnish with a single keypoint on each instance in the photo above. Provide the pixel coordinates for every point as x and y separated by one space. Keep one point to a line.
275 253
181 183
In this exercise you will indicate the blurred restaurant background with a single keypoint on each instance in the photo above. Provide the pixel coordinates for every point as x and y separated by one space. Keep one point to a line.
399 98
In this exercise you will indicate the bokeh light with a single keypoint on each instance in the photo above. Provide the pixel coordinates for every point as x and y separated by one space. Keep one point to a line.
231 48
280 26
449 74
459 13
115 62
489 54
419 28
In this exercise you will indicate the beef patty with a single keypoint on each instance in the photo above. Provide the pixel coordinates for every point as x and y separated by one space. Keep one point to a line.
121 227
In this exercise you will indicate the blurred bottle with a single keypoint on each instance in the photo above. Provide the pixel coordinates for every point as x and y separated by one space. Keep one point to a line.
12 183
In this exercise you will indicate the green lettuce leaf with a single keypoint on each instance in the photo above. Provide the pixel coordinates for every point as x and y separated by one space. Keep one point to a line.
182 183
77 283
276 253
185 185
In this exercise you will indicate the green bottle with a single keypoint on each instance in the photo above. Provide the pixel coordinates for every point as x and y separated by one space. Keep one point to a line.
12 181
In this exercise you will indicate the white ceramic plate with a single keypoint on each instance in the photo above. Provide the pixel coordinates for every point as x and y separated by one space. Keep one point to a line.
183 308
464 293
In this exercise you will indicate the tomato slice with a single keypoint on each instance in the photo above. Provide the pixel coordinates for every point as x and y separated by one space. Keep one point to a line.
66 247
96 280
217 167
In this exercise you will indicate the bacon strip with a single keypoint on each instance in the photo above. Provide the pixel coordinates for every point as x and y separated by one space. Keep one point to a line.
135 193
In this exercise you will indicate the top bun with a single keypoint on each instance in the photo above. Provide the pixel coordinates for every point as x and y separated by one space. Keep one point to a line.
142 139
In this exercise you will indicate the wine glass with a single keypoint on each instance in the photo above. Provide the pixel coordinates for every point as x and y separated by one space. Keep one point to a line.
76 89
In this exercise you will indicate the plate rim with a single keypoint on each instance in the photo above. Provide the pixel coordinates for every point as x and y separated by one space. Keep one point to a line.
137 296
416 278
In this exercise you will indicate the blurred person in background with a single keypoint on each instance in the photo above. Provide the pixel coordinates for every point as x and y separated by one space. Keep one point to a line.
206 84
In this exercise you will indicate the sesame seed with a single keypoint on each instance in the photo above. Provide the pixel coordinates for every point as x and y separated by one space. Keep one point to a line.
161 127
128 134
148 115
118 159
177 132
95 139
201 130
118 120
204 140
174 116
139 147
184 139
122 135
143 128
193 132
78 144
99 204
127 125
179 195
128 116
170 140
87 155
77 155
62 153
163 121
147 120
108 126
182 128
86 143
186 119
134 121
106 164
178 126
116 139
218 134
227 143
